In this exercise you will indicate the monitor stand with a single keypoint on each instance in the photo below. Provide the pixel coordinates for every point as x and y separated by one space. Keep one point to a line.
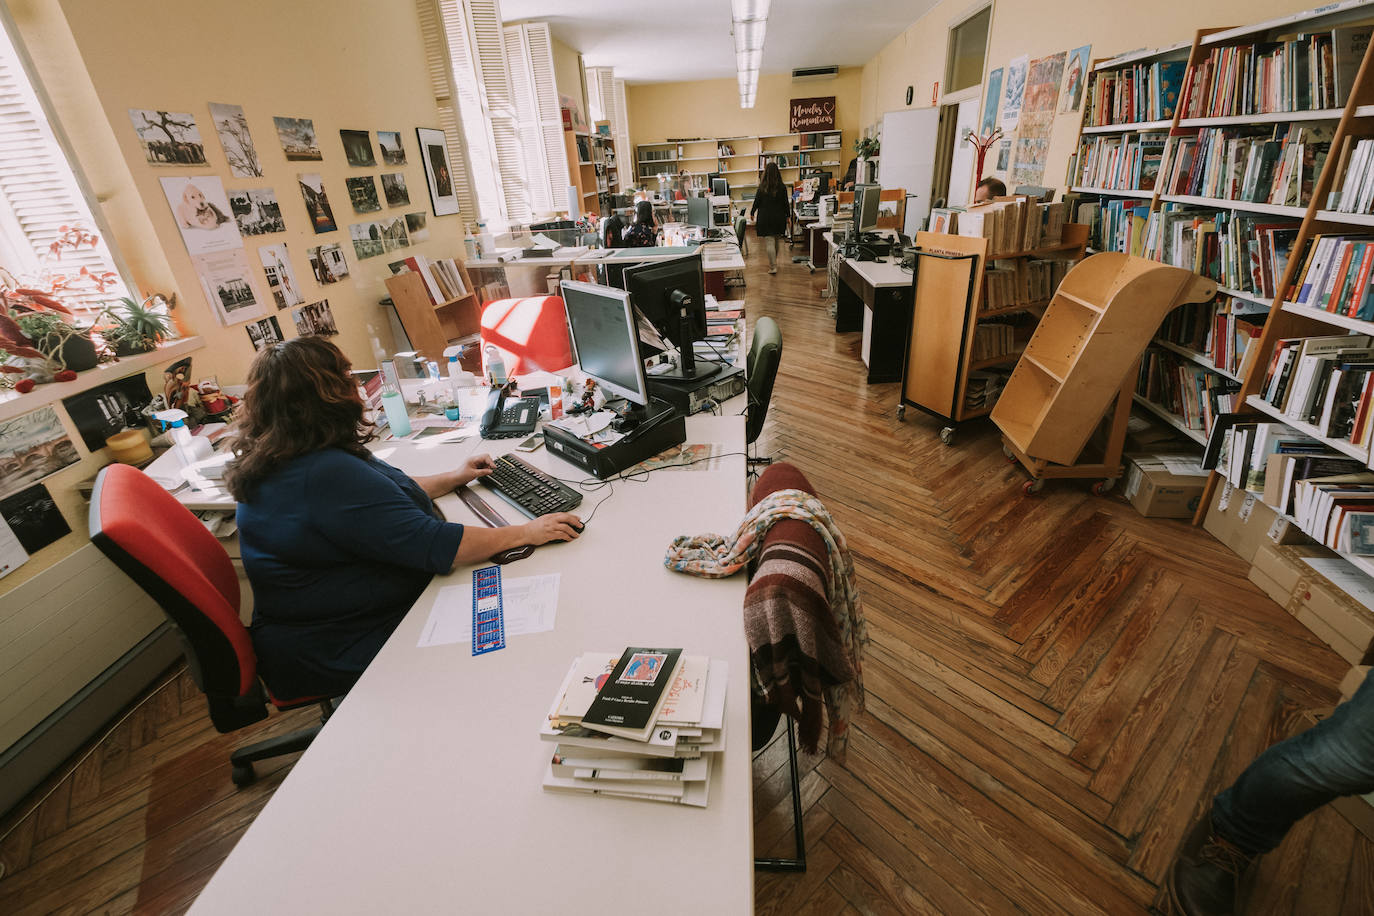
689 368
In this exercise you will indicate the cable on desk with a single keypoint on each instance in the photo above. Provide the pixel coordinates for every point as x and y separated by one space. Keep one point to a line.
593 484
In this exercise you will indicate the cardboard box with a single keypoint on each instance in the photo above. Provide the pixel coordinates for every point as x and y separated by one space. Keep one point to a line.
1243 522
1164 486
1359 811
1323 606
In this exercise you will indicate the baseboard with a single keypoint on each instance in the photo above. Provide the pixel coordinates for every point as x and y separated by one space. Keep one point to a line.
51 742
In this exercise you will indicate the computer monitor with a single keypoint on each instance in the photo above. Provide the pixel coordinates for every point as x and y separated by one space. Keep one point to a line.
699 212
866 197
671 295
720 187
601 320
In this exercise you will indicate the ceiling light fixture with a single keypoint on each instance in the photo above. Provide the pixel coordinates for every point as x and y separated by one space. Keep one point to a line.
750 22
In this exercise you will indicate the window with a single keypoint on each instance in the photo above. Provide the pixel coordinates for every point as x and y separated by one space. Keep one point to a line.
41 198
968 43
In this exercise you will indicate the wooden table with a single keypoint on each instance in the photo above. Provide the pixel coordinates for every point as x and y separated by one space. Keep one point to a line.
875 297
423 793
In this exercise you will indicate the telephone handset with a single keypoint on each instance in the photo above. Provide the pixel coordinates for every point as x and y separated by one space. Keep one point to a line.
507 418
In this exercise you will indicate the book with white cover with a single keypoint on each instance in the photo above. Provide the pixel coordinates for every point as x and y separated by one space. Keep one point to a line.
695 794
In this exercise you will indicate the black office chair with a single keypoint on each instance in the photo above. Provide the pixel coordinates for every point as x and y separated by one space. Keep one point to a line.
765 354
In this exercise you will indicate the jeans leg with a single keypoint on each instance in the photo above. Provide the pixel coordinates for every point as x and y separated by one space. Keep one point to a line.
1293 778
770 245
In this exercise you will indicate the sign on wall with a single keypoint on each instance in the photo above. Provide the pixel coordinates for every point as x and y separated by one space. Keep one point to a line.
806 115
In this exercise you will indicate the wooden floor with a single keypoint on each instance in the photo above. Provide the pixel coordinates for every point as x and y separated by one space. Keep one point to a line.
1056 687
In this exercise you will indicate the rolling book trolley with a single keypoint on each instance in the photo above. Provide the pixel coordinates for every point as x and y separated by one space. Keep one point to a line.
1082 358
948 302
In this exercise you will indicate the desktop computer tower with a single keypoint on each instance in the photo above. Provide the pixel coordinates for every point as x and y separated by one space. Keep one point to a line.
689 396
607 461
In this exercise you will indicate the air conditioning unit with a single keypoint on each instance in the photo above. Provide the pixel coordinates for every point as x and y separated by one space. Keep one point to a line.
814 73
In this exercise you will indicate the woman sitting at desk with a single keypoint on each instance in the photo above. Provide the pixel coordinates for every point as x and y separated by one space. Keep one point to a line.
642 233
337 544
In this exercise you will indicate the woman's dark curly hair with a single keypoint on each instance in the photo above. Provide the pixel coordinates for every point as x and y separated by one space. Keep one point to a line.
300 399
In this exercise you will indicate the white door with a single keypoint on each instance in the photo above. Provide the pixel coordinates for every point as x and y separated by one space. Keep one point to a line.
961 166
908 159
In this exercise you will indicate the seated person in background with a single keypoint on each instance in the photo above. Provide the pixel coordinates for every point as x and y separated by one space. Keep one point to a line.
850 174
336 543
642 233
612 231
988 189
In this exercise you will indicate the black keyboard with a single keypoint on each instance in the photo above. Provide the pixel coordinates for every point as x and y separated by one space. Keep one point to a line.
529 489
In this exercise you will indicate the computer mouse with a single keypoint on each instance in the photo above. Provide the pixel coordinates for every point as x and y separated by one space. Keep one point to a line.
579 528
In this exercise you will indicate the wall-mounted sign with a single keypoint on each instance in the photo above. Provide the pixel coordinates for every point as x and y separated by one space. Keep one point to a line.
806 115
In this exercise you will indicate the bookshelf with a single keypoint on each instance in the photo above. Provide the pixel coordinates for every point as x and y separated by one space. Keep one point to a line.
583 171
431 326
736 158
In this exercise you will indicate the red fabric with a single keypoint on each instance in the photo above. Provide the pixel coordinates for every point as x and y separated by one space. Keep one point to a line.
145 521
530 333
783 476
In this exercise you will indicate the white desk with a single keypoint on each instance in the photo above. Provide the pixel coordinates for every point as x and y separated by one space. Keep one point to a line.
423 793
875 297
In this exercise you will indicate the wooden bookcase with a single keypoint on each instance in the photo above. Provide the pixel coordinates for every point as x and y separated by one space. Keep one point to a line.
947 308
431 328
740 159
581 172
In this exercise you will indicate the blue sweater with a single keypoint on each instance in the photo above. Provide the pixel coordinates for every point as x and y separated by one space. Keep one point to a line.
337 549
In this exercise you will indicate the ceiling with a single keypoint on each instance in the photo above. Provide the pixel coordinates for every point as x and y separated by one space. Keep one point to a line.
650 42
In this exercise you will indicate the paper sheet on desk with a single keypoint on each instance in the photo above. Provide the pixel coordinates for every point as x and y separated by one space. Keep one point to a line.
12 553
530 606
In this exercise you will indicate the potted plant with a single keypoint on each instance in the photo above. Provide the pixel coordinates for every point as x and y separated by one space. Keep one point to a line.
135 327
866 147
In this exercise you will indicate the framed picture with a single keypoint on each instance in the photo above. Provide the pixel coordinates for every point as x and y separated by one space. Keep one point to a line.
438 173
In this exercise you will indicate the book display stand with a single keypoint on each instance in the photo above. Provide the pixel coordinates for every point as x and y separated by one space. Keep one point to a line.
430 325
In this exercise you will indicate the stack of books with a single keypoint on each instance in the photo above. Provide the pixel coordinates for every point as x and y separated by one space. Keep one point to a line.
1335 276
443 279
1123 162
1013 225
1144 92
1276 166
1356 165
1305 72
983 389
645 723
1187 390
1325 382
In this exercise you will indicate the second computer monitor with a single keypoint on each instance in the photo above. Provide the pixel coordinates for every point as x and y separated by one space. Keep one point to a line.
699 212
720 187
606 338
866 198
672 296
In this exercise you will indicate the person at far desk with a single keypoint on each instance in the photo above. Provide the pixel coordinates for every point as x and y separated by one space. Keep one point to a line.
338 544
989 189
642 233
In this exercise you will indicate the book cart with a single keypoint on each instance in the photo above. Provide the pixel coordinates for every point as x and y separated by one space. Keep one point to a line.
1082 358
431 326
948 302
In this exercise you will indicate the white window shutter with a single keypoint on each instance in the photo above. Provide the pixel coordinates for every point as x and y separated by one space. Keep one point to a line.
621 129
540 45
538 197
444 63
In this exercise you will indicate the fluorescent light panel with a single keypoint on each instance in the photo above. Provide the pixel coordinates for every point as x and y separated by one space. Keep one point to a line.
747 10
750 22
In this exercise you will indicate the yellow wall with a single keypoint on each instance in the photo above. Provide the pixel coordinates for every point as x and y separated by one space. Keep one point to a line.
710 108
567 73
917 56
353 64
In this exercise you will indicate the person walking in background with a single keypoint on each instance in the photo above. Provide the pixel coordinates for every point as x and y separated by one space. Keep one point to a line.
771 210
1280 787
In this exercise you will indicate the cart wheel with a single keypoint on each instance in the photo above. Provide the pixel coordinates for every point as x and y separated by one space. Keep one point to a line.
947 435
1033 486
1007 452
901 411
1103 487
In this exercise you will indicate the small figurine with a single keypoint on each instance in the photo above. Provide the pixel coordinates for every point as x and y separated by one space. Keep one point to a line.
588 396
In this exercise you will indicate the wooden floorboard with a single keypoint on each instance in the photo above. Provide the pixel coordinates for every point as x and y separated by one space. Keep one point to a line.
1056 686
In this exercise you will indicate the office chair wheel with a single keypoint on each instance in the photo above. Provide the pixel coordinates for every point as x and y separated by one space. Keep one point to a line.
1033 486
1103 487
901 411
243 775
947 435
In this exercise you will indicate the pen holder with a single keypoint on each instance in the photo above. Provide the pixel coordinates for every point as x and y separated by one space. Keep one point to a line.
396 416
453 413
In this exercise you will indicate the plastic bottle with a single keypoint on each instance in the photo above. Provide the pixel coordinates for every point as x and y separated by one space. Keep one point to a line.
496 367
174 421
470 245
458 377
396 416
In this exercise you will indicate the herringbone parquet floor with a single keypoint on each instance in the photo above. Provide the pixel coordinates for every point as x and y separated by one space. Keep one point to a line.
1056 686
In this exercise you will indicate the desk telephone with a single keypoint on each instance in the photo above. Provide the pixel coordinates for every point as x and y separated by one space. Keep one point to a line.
508 418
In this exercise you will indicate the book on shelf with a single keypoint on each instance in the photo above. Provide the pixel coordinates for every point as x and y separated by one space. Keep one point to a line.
1304 72
1354 176
1120 162
945 219
1240 251
992 339
984 387
1013 225
1335 276
1193 394
1276 164
1321 381
1142 92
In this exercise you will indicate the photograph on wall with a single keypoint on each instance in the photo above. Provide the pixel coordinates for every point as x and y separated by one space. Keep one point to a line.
393 153
367 240
232 127
1038 106
265 333
256 211
1003 155
394 235
103 411
990 102
438 175
357 147
33 516
315 319
327 263
202 214
33 446
417 227
1075 77
317 202
168 137
228 284
394 189
281 279
298 140
1013 89
362 193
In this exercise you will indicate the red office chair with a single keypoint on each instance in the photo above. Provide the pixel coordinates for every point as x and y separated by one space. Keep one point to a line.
165 549
530 333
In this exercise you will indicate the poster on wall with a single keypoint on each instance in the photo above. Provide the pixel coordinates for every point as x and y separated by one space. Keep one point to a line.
256 211
168 137
362 192
357 147
808 115
367 240
227 282
315 319
105 410
328 264
281 279
438 174
202 213
1075 76
12 553
265 333
34 518
394 234
232 127
316 202
33 446
394 189
393 153
1037 119
994 96
298 139
1013 88
417 227
1003 155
